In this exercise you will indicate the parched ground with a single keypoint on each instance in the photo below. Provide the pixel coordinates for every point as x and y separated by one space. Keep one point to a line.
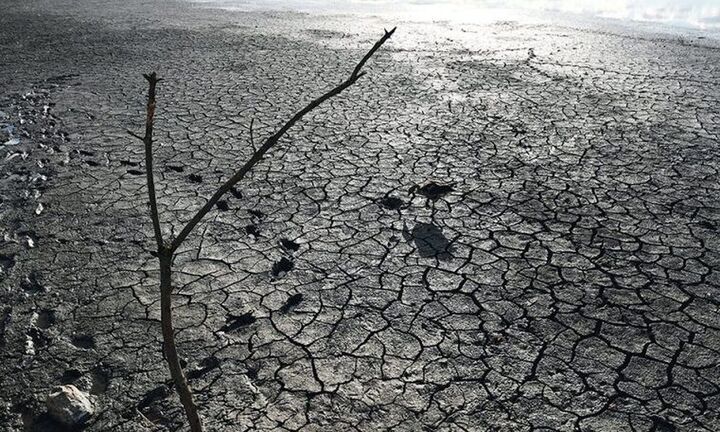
569 282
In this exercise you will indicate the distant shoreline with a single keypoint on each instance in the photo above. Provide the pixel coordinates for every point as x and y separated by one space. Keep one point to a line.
651 20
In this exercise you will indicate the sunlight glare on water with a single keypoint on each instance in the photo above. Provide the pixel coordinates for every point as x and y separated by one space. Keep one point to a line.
697 14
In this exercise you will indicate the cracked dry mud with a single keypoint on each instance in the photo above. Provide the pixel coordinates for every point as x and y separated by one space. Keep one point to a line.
568 282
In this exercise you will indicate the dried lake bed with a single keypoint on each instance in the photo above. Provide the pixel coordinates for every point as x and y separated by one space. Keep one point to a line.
567 278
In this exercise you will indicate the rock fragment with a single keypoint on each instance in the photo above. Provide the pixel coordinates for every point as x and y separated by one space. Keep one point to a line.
69 406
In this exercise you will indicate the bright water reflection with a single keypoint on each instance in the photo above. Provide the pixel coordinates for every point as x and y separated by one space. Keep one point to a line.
698 14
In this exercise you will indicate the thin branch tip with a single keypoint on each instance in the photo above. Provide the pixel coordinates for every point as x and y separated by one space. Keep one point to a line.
147 140
370 53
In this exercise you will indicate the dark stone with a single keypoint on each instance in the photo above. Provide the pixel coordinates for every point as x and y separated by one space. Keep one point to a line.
390 202
234 322
289 245
282 266
291 302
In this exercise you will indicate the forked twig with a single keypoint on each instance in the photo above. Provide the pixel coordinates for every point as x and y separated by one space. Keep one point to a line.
165 257
166 252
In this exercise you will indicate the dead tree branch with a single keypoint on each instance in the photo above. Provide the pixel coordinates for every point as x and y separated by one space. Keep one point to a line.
166 252
165 257
152 80
273 139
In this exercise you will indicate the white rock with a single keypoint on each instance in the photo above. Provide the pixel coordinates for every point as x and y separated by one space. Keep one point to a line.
69 406
29 346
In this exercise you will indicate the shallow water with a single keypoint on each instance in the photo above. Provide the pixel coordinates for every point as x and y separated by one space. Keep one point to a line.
702 15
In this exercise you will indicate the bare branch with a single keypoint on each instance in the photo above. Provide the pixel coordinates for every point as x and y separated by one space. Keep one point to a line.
165 256
170 347
370 53
166 253
148 141
272 140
